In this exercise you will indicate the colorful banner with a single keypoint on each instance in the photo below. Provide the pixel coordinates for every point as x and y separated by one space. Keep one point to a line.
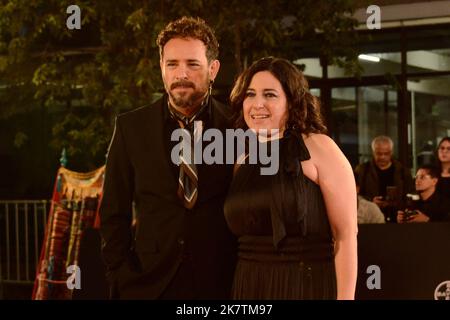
75 203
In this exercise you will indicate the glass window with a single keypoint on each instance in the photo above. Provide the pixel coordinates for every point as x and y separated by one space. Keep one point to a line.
360 114
344 122
428 60
311 67
372 64
315 92
430 116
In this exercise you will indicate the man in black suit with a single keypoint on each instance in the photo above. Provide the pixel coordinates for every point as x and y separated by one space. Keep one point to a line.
181 247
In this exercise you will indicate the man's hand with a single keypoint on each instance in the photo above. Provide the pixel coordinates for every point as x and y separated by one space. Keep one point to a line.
419 217
401 217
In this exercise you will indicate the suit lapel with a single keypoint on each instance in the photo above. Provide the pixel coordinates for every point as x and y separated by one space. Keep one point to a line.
156 141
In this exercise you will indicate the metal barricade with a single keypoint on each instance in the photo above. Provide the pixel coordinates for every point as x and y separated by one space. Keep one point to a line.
22 229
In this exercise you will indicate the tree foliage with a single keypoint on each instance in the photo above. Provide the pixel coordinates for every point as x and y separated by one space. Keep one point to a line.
85 77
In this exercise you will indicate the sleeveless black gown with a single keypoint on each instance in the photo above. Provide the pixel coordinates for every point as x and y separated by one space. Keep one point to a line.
285 242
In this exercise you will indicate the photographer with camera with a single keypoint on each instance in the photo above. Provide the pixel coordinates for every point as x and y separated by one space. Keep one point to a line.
431 206
384 180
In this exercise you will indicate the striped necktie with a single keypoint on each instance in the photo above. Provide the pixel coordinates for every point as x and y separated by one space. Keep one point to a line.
188 177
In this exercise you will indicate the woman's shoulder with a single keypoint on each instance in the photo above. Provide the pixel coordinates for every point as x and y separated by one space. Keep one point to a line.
319 143
325 153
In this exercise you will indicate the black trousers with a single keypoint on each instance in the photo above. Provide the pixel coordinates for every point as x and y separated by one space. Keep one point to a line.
182 286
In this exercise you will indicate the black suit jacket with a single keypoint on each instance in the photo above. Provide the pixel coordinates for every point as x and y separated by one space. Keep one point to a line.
142 264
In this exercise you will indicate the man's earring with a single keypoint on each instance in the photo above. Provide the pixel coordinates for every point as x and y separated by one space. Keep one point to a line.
210 86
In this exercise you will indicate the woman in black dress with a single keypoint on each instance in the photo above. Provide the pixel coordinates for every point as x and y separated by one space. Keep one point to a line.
297 228
443 151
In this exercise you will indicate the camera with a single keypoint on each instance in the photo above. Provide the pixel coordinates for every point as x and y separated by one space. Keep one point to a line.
408 213
411 204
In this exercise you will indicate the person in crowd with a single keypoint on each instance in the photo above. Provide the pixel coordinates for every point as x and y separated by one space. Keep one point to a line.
368 212
432 206
443 157
382 174
297 228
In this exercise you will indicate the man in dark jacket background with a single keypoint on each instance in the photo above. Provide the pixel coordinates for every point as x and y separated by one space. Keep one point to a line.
384 180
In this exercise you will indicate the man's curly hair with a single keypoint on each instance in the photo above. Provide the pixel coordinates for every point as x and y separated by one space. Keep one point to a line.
188 27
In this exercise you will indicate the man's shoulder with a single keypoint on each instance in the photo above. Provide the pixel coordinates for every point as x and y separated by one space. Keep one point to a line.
369 204
222 109
401 168
397 164
141 113
363 166
438 197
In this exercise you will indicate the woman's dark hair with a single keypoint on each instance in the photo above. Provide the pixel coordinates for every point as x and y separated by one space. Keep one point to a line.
303 108
438 162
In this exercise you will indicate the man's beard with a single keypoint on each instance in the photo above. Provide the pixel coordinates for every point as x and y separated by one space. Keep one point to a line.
187 100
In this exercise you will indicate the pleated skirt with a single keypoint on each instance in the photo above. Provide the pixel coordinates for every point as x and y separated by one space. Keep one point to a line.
299 269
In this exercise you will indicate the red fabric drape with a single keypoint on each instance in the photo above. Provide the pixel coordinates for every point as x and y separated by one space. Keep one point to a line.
74 207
